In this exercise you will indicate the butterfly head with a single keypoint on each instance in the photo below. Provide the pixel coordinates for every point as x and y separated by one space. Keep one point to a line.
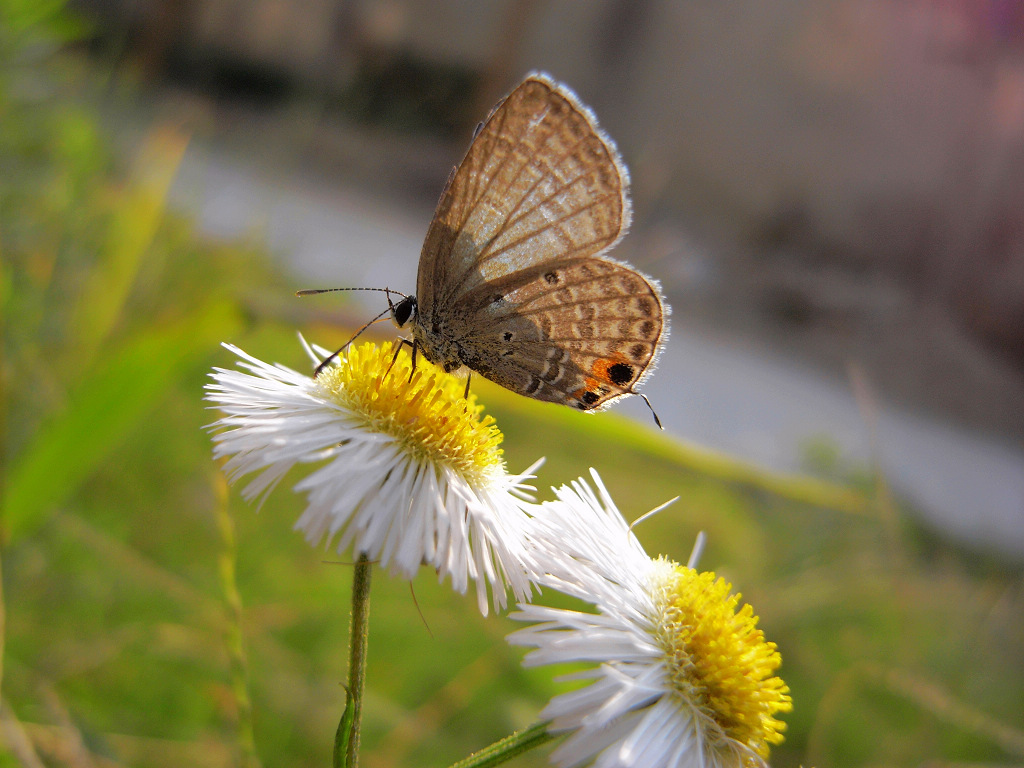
403 311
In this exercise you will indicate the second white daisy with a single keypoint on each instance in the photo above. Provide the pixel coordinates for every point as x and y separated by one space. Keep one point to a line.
409 473
684 679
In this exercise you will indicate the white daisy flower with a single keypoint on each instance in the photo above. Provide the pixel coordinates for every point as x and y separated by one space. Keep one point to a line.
408 472
684 679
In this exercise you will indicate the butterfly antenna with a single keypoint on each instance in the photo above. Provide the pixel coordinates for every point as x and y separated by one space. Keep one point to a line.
653 413
391 308
324 363
314 291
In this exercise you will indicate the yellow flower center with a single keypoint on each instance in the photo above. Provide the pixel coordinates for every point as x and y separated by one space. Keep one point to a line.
718 661
425 411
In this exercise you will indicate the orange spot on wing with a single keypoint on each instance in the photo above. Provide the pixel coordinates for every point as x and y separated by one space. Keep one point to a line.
601 376
614 370
601 367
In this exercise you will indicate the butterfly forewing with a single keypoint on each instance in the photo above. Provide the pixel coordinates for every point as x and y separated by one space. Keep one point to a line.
512 281
539 182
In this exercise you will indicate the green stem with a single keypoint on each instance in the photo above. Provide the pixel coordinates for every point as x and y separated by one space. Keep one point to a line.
346 742
248 757
509 747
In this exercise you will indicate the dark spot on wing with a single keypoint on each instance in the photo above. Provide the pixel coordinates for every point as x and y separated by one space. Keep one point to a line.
532 387
507 336
551 277
590 398
620 374
638 351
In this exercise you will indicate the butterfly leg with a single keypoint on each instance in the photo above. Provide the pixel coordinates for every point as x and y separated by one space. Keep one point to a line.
469 378
402 343
415 349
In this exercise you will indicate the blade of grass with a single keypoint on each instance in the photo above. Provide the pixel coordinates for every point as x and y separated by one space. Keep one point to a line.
932 697
103 409
130 234
620 431
244 735
15 738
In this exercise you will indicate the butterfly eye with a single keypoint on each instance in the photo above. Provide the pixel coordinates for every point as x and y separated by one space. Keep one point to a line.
403 310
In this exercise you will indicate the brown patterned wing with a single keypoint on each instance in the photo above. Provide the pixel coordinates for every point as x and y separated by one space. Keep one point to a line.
581 332
540 182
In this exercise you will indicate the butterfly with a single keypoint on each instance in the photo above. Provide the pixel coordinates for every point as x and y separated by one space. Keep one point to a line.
513 279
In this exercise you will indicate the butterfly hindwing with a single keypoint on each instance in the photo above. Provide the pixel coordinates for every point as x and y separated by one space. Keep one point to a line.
580 332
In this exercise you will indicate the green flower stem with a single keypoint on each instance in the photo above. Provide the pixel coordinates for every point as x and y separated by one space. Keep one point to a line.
509 747
357 644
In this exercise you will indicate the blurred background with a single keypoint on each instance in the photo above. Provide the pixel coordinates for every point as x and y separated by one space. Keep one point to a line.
832 196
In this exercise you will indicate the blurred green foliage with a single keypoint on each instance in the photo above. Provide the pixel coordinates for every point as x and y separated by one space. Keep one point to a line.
120 646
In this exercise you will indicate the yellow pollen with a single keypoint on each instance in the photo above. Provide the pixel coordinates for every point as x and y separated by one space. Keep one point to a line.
425 412
718 661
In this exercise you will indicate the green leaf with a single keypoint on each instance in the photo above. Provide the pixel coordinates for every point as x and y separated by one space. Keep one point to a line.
22 15
122 389
344 733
